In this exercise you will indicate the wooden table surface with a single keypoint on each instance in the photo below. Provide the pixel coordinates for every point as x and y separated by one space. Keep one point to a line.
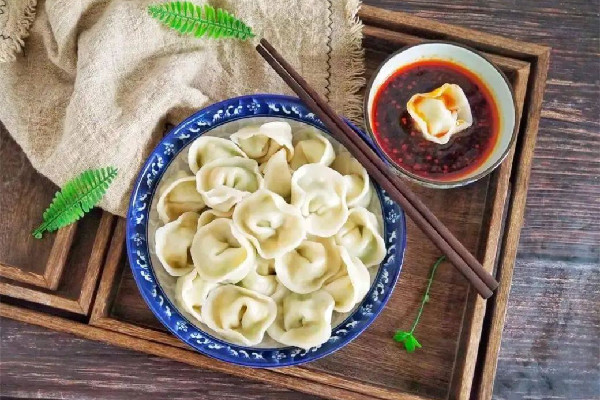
550 345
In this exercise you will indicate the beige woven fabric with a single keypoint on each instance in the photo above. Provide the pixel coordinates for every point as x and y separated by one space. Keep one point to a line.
99 79
16 16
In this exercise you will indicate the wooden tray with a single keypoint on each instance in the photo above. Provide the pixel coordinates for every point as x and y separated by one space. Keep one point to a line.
60 271
459 331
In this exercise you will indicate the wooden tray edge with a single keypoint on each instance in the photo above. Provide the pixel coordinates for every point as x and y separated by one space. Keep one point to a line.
178 354
538 56
81 304
464 373
55 263
496 311
410 23
100 318
407 24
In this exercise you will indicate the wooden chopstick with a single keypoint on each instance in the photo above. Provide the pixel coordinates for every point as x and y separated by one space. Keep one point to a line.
409 194
416 210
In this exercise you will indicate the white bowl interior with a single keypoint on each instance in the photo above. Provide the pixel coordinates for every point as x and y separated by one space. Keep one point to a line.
168 282
471 61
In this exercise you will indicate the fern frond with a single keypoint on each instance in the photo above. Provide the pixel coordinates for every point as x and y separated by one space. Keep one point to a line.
77 197
190 19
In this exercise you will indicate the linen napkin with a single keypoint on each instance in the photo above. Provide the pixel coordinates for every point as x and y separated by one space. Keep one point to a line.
98 79
16 17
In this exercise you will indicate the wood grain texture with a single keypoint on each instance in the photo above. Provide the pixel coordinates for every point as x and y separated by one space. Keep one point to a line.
120 308
58 256
107 286
382 39
83 377
124 311
81 272
95 261
514 222
19 180
169 352
495 218
560 235
24 192
550 345
54 265
61 269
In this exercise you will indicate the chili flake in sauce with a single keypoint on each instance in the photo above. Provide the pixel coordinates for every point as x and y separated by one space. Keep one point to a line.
401 139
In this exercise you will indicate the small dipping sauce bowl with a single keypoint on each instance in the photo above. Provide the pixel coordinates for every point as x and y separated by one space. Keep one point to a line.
470 154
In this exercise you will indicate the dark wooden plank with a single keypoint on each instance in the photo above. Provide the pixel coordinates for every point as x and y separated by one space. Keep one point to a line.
563 214
551 333
57 260
32 269
373 358
156 349
33 365
569 27
563 187
81 271
95 261
119 308
387 41
559 250
128 314
25 195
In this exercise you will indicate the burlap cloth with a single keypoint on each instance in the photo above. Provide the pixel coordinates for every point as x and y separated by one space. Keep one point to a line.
98 80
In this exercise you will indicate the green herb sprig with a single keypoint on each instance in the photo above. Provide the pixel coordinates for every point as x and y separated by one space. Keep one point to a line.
77 197
407 337
190 19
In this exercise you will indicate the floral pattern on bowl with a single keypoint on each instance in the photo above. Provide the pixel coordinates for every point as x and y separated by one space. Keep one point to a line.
138 252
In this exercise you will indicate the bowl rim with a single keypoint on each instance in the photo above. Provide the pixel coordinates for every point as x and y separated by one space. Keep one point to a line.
279 106
432 183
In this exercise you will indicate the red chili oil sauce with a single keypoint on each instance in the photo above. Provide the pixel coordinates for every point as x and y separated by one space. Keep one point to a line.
400 138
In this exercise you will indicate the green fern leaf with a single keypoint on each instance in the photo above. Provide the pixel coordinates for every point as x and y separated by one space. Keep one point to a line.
76 198
188 18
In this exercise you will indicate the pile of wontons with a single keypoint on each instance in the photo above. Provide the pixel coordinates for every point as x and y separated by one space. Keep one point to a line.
283 238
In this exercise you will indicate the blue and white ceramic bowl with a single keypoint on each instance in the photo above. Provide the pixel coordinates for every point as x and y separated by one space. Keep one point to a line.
156 286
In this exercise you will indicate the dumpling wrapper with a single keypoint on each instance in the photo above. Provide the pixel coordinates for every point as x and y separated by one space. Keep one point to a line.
221 253
320 193
441 113
350 284
210 215
209 148
173 242
303 320
226 181
305 268
273 226
262 279
239 315
311 147
278 175
191 292
360 236
356 178
178 196
261 142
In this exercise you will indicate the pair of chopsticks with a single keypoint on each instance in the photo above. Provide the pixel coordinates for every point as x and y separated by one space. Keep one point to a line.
462 259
